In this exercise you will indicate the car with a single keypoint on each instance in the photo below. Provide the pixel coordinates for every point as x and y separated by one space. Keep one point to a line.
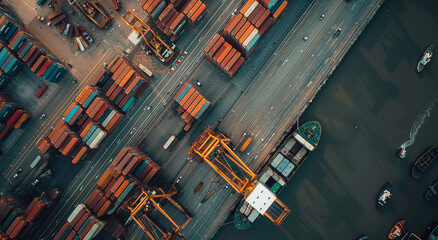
35 182
17 173
87 37
41 18
338 31
43 116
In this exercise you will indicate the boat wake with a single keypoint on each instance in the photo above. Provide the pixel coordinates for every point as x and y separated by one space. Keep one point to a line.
416 127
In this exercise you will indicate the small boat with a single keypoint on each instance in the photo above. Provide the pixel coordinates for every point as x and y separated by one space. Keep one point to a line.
384 195
434 234
397 230
427 55
401 153
432 192
424 161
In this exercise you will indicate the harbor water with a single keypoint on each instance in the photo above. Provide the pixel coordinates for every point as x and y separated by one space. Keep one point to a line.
372 104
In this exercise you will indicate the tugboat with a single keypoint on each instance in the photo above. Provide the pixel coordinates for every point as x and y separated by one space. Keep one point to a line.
432 192
397 230
427 55
424 161
384 195
280 168
401 153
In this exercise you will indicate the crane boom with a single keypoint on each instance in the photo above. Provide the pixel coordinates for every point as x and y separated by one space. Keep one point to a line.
213 148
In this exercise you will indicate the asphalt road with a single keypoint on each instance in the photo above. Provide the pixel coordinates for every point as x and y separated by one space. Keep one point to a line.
141 122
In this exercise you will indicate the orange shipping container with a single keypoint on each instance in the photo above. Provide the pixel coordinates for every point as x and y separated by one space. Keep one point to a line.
198 13
232 23
228 57
104 209
81 154
126 78
121 188
224 53
242 31
189 102
86 129
187 96
195 103
117 65
194 8
246 34
246 6
280 10
102 178
198 107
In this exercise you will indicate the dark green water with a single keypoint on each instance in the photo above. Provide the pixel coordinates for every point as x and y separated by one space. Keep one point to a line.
333 196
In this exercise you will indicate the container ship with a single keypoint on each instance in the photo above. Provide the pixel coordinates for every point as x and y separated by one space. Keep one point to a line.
280 168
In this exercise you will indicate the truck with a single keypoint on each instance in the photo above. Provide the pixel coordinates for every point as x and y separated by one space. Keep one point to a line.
169 142
35 161
146 70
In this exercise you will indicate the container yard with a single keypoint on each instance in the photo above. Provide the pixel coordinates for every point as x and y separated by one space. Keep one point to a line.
137 134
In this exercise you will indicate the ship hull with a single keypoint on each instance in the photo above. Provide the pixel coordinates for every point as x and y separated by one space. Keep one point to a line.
424 161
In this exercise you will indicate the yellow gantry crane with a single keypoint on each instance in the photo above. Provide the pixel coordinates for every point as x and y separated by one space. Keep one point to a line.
164 51
93 10
213 148
149 201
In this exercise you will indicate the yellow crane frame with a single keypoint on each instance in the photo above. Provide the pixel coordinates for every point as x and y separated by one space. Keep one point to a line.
210 145
90 16
155 197
153 43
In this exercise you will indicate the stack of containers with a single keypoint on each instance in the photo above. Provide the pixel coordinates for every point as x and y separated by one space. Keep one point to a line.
242 34
122 84
44 145
129 167
99 109
81 224
13 222
171 18
192 104
89 118
224 55
194 11
171 22
9 63
36 208
12 116
276 7
28 51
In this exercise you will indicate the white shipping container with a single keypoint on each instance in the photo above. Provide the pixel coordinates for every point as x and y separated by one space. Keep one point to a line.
250 37
253 216
288 170
109 118
75 212
146 70
277 160
250 9
97 140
